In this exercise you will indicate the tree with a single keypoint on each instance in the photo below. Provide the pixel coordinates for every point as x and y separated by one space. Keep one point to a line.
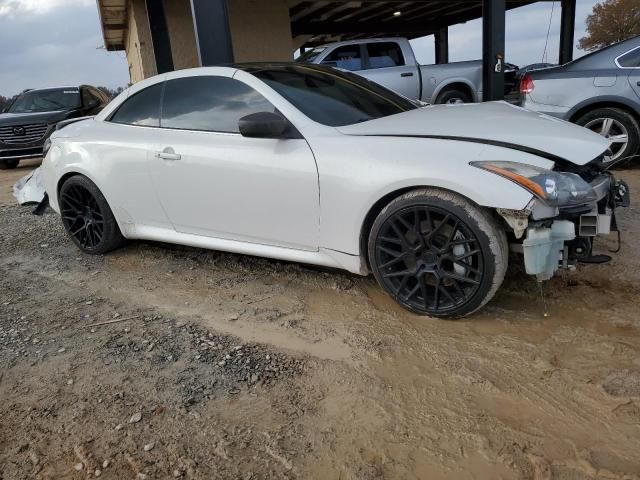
612 21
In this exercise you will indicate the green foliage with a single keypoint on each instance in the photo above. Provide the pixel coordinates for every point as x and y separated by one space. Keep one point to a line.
612 21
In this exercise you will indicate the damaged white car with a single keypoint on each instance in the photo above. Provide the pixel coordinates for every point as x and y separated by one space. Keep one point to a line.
308 164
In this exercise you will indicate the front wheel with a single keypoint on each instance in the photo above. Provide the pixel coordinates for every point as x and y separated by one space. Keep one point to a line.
8 164
437 254
87 218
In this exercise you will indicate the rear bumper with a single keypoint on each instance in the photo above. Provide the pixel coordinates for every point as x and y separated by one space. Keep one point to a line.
557 111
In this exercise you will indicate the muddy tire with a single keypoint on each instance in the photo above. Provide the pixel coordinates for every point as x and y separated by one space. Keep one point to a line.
8 164
619 126
438 254
87 217
453 95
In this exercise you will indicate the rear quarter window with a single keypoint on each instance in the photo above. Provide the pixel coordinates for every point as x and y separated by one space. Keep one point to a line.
630 59
142 108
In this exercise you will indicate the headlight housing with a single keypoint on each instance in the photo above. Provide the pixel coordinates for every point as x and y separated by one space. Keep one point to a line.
556 189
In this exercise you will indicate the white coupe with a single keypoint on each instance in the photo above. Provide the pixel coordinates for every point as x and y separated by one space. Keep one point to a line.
309 164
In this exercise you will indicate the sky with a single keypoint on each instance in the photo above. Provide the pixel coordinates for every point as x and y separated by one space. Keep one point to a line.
46 43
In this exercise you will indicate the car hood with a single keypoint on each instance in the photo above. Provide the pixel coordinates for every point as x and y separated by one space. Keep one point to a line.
9 119
492 123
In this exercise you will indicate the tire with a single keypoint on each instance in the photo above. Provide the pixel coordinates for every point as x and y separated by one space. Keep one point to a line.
87 218
452 267
8 164
453 95
620 122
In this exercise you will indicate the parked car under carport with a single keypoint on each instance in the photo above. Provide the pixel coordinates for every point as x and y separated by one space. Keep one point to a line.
600 91
29 121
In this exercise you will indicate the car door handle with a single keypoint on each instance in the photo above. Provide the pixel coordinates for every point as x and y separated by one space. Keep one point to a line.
168 156
407 74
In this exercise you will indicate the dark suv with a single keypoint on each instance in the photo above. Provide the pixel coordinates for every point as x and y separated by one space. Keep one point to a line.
29 120
600 91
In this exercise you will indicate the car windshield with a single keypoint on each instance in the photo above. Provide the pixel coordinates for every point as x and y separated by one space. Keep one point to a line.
330 96
46 100
310 55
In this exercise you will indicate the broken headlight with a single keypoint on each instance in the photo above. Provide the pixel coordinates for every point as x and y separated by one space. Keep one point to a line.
556 189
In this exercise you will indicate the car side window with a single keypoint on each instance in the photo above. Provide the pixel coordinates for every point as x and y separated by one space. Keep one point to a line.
346 57
385 54
207 103
142 108
630 59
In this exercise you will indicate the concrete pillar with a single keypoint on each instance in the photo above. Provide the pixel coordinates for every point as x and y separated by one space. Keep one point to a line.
493 27
442 45
567 31
212 31
160 36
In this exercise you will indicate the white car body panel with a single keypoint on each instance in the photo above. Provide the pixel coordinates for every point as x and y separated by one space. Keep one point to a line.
305 199
491 121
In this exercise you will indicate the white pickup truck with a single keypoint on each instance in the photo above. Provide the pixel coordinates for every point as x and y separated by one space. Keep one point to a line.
392 63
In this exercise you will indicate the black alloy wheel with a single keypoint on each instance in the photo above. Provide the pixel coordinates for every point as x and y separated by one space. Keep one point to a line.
87 218
436 256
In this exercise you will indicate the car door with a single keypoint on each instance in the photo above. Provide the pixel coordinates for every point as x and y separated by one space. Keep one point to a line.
630 62
123 153
385 64
214 182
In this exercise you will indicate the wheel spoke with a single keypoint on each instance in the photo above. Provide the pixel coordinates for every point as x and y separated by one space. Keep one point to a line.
466 255
403 273
393 253
606 126
444 290
391 240
423 288
400 235
411 293
467 266
436 294
461 278
392 262
443 222
454 229
622 138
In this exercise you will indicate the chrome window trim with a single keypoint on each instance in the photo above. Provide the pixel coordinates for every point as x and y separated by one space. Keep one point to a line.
622 55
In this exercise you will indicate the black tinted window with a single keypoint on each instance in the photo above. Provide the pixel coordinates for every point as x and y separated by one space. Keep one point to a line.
347 57
143 108
385 54
214 104
631 59
46 100
331 97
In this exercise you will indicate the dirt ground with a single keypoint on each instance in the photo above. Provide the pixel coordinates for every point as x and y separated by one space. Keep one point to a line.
232 367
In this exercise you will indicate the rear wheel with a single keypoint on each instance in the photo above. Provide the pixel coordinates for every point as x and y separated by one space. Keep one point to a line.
618 126
8 164
453 95
87 217
437 254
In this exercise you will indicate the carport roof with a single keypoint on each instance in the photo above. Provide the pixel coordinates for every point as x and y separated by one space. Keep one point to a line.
326 20
114 21
347 19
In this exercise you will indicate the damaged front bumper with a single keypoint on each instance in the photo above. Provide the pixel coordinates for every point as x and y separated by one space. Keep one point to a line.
554 238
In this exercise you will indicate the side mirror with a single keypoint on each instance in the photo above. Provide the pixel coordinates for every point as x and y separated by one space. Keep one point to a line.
263 125
93 103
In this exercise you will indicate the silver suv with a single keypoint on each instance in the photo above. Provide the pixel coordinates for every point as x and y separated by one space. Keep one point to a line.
600 91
